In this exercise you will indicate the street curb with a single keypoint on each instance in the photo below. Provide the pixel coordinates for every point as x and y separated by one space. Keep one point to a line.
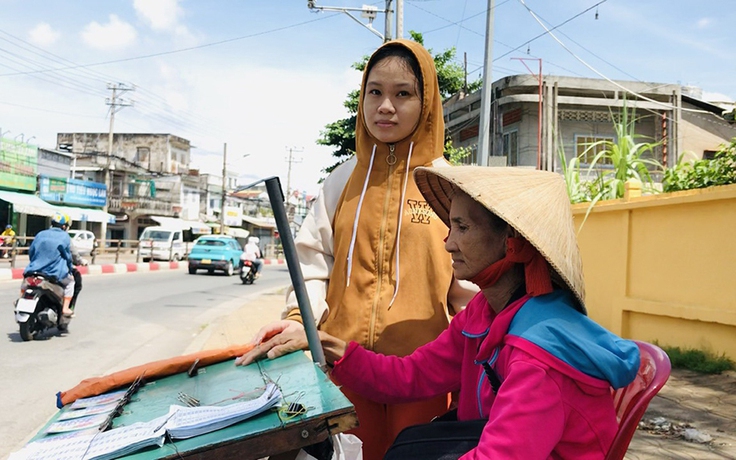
17 273
129 267
274 261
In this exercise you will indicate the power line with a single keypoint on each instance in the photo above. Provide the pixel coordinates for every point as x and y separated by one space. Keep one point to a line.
176 51
549 31
641 96
162 112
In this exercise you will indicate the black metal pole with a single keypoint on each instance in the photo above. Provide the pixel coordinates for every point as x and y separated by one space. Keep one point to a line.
275 195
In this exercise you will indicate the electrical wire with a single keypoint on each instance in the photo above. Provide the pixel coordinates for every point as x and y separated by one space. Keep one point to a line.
176 51
579 59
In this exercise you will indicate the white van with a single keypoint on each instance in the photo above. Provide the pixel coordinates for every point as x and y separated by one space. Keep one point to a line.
161 243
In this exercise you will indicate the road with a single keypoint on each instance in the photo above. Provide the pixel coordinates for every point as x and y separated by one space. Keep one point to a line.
122 320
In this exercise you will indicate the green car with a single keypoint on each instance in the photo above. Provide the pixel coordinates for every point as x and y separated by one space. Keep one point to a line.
215 252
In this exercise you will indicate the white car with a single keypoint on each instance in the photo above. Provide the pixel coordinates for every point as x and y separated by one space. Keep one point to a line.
83 241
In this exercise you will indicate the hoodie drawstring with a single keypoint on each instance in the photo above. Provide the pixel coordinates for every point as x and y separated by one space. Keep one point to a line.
401 215
357 215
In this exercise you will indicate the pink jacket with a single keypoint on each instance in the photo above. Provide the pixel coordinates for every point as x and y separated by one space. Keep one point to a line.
555 364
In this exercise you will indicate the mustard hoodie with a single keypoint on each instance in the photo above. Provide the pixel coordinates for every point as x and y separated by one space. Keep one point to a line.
371 249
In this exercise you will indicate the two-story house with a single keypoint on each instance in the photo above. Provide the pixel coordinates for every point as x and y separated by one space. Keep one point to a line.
529 131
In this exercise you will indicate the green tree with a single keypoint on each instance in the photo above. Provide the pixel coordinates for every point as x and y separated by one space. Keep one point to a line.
341 133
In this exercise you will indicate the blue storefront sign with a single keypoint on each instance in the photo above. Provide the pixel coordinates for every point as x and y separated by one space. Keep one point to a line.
72 191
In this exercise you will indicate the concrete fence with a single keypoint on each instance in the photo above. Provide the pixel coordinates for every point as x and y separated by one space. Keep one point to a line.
663 267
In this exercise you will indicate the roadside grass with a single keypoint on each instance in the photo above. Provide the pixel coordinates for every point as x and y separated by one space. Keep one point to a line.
698 360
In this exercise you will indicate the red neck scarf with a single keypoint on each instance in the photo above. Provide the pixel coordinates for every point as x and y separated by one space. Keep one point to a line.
519 251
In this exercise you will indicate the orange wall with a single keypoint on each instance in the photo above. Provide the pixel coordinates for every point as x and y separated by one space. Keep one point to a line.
663 267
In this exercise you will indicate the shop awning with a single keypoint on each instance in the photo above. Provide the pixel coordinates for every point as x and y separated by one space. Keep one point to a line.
262 223
238 232
28 204
197 228
88 215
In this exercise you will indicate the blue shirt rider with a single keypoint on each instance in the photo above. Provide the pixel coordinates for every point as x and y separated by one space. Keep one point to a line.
50 253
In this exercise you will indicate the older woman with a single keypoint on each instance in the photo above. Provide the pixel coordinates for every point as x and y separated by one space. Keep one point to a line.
523 354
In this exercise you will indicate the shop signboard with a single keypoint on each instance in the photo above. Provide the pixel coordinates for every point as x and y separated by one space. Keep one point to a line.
72 191
18 165
233 216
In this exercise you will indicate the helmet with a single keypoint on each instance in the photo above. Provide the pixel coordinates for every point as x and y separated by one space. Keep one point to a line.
253 239
8 226
60 219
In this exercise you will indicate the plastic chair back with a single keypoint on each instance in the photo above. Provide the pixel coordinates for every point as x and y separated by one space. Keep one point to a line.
631 402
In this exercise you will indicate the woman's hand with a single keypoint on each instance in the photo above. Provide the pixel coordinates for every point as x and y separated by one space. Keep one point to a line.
333 347
274 340
286 336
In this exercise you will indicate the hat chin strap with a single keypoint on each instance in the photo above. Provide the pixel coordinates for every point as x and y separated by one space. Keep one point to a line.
518 251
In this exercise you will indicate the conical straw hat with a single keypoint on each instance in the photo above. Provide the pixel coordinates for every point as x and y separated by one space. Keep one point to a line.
533 202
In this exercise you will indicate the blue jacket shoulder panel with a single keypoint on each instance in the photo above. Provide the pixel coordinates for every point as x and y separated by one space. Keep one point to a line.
552 323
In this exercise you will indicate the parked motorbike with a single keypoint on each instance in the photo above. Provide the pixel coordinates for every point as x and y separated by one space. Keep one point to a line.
247 272
39 306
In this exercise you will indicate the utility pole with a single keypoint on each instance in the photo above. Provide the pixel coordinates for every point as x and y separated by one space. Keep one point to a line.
387 26
288 175
399 19
116 104
486 92
224 189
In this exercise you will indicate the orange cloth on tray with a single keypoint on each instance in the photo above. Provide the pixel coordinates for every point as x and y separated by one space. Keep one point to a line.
150 371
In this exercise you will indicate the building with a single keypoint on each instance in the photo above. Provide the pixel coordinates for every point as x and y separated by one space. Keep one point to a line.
147 176
573 112
35 184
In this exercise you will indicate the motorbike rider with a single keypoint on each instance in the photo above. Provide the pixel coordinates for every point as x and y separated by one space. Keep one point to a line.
50 253
8 238
252 252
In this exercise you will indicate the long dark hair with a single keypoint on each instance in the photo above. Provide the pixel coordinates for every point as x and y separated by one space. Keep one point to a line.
406 56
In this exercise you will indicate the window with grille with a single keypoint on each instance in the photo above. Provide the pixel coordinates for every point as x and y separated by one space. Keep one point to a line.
585 151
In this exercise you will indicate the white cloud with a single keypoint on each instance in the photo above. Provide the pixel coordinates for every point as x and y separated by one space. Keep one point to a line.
114 35
161 15
703 23
43 35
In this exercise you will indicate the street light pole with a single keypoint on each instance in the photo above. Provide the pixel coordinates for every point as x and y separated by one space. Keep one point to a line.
224 189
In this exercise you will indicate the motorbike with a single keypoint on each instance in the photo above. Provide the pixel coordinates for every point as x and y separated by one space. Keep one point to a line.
40 304
247 272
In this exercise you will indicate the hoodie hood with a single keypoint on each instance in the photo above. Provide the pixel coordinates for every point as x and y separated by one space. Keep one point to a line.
384 231
429 135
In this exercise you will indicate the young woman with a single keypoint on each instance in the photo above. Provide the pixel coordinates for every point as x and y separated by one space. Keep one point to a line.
370 251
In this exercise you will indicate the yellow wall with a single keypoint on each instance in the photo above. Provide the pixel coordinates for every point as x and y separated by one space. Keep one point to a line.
664 267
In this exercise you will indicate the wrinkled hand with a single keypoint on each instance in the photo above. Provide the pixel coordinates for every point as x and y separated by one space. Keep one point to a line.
274 340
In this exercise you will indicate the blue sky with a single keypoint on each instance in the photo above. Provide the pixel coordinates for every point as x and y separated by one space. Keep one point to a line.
264 76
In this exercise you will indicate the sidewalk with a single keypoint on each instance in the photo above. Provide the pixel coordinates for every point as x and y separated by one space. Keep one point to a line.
700 406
